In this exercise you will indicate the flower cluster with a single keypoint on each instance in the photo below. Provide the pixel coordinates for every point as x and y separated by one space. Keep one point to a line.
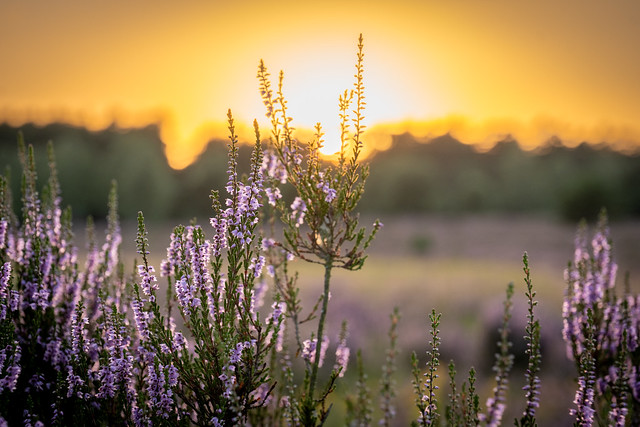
600 330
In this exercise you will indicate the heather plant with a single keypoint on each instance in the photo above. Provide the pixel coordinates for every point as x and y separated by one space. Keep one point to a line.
84 343
320 225
601 333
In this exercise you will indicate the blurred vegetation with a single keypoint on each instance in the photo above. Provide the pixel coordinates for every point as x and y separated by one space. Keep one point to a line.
442 176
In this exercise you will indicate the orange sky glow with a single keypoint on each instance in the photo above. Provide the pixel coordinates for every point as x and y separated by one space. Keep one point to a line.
480 70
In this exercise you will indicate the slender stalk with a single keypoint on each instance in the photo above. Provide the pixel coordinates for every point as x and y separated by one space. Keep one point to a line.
328 266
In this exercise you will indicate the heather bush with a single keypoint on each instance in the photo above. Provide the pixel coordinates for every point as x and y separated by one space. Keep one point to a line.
218 335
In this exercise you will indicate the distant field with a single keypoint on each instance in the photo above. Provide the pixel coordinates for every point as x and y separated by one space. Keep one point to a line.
460 266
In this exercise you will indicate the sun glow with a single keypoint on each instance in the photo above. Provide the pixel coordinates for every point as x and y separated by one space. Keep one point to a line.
480 72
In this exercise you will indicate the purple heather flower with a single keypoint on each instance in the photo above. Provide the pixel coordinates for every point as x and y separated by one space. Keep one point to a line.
53 352
141 318
260 290
173 376
278 310
257 265
299 209
220 239
584 401
200 256
179 342
309 349
271 270
268 243
4 227
173 255
588 280
74 382
10 381
276 318
185 294
273 167
229 382
342 357
5 275
160 396
273 195
77 331
330 193
118 372
148 282
618 413
236 353
262 395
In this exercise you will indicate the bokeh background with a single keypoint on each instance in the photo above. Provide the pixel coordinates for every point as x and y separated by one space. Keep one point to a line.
494 127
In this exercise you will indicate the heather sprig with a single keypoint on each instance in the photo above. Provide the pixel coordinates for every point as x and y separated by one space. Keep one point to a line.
504 361
532 387
471 408
359 410
454 409
426 399
585 411
592 308
387 382
320 223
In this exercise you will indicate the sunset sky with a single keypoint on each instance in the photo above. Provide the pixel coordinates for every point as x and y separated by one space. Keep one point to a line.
480 69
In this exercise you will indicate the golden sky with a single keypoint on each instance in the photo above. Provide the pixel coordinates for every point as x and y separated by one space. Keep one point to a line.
480 69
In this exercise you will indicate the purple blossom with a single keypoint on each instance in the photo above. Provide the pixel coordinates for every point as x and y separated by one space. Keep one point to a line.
584 400
276 318
10 381
200 258
236 353
257 265
229 381
273 167
220 238
148 282
268 243
118 372
179 342
342 357
259 292
74 382
495 411
298 211
5 275
273 195
278 310
168 264
185 292
78 321
618 413
141 318
173 376
160 395
4 227
53 352
588 280
330 193
309 350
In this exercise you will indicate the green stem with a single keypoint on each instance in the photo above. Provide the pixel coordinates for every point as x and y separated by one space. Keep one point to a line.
328 266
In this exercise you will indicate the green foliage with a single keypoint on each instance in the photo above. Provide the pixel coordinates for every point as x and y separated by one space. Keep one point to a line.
440 176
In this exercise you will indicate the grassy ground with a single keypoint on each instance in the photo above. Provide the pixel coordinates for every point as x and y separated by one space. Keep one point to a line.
460 266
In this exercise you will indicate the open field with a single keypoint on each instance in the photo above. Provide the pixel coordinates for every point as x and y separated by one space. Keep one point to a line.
460 266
